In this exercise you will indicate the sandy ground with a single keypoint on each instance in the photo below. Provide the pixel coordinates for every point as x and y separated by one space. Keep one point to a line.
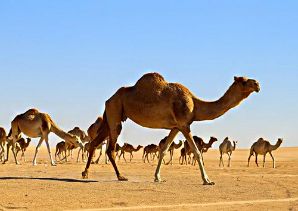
43 187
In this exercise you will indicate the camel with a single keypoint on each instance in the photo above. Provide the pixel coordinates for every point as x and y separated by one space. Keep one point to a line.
130 149
171 150
22 146
2 143
87 148
202 146
183 155
226 147
62 147
92 133
84 138
36 124
149 150
154 103
262 147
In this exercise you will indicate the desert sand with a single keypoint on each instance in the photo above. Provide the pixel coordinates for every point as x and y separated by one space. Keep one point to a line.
43 187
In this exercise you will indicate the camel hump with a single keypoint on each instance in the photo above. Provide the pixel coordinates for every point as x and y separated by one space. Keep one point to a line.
31 114
150 81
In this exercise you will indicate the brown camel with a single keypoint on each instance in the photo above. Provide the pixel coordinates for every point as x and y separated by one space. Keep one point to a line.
183 155
2 143
60 148
84 138
23 145
151 149
154 103
263 147
87 148
171 150
202 146
226 147
92 133
35 124
130 149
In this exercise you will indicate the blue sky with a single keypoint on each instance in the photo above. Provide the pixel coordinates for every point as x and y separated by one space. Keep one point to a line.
67 57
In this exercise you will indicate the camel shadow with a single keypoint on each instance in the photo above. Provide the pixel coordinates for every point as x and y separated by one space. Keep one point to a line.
49 179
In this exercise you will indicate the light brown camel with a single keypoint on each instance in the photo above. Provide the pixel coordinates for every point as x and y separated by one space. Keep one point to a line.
262 147
154 103
130 149
84 138
226 147
2 143
151 149
92 133
35 124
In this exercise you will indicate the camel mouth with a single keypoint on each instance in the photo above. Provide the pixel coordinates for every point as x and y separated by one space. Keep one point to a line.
258 89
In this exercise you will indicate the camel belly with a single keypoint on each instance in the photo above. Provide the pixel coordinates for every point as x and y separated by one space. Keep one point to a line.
153 118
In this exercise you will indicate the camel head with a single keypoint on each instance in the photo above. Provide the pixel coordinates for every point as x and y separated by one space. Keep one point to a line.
76 141
246 85
139 147
279 141
212 139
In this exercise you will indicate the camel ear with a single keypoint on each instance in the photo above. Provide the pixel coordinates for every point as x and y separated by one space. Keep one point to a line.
239 79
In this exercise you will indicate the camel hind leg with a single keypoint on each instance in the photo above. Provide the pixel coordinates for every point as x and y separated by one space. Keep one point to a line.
221 160
103 133
187 134
163 151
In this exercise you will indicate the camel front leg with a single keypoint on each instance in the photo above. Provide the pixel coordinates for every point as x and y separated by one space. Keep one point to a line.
187 134
49 151
257 159
2 154
273 160
171 158
264 160
36 150
229 163
100 153
78 158
249 160
13 149
221 160
163 152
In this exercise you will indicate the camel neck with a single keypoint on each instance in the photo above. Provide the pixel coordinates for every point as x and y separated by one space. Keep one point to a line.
205 110
274 147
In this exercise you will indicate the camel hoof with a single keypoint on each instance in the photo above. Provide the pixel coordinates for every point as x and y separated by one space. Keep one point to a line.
53 164
34 164
121 178
209 183
85 174
159 180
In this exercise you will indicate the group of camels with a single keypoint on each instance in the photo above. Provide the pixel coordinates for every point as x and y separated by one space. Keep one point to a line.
152 102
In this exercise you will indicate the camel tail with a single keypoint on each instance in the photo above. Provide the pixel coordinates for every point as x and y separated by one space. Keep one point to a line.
251 152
